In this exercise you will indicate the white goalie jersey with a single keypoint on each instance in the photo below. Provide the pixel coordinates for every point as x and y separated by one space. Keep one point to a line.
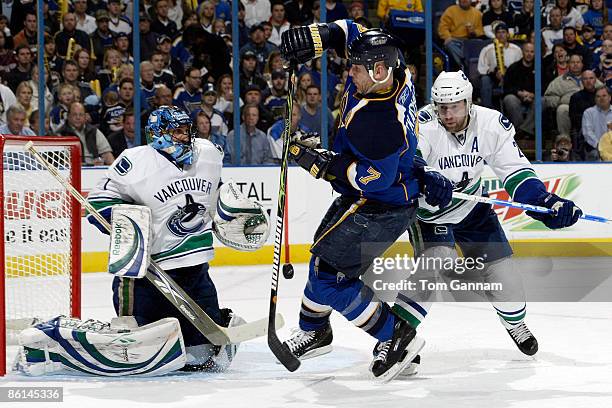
181 200
462 156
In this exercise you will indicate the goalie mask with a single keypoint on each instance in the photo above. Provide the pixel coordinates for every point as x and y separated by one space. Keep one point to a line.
240 223
170 130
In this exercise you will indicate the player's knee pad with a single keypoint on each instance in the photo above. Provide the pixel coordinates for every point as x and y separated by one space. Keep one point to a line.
510 282
99 348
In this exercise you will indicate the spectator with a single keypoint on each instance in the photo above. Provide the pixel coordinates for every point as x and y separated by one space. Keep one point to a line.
519 91
458 23
497 13
254 144
95 148
554 65
62 38
27 36
311 112
607 32
299 12
209 51
126 137
121 42
34 85
596 121
356 10
385 6
163 97
225 96
175 12
316 13
189 96
562 149
523 21
118 23
253 96
148 39
249 74
258 46
147 84
110 67
161 74
59 113
277 100
278 21
218 27
84 65
573 47
161 24
23 69
84 22
304 81
256 11
112 120
243 30
579 102
7 99
15 122
207 15
223 9
275 63
209 98
600 57
561 89
102 37
24 99
7 56
34 124
554 32
570 15
589 39
204 130
70 74
275 133
335 11
597 14
491 76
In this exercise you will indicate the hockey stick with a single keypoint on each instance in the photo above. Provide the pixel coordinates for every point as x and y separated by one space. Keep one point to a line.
521 206
280 350
216 334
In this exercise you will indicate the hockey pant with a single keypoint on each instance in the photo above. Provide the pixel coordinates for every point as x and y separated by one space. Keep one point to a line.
479 235
352 233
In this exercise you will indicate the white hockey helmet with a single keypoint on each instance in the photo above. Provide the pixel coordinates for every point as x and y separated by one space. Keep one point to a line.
452 87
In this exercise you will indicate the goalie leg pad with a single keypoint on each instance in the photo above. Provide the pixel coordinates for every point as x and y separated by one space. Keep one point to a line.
96 348
130 243
240 222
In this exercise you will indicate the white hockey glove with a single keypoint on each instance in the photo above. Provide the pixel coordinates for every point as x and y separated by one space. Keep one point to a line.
306 139
240 222
93 347
130 241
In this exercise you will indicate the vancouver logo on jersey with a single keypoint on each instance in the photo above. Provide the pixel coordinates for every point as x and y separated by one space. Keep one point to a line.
188 219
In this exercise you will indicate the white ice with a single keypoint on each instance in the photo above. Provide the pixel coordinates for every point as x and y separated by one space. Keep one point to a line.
469 360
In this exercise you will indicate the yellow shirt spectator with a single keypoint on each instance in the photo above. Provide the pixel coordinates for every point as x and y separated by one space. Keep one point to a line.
459 22
405 5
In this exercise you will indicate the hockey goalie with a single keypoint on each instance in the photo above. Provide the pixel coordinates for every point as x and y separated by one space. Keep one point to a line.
164 202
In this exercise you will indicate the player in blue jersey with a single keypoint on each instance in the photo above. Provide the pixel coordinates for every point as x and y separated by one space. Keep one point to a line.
374 168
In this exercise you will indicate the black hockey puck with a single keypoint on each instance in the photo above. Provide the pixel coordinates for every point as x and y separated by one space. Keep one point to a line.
288 271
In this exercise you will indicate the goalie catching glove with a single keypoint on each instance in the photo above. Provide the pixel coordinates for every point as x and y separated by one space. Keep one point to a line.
240 222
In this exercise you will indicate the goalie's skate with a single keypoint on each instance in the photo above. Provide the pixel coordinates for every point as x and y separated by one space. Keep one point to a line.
309 344
524 339
396 354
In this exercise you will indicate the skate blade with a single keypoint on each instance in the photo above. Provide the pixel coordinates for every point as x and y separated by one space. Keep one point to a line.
413 349
314 353
409 371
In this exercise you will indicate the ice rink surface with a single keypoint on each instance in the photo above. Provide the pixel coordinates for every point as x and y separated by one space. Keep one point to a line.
469 359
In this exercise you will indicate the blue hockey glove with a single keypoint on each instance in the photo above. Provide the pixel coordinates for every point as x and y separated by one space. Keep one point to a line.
437 189
567 213
316 162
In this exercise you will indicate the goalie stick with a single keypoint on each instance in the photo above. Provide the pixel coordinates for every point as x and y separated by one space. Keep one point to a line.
280 350
521 206
217 335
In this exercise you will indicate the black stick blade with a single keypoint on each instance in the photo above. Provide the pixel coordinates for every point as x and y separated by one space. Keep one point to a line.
282 352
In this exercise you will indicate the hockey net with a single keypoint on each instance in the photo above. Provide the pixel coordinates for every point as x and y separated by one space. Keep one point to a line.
41 226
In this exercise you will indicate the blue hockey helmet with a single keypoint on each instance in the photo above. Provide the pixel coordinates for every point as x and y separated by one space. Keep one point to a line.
159 132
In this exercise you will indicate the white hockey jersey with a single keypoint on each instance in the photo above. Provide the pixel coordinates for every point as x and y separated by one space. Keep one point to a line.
180 199
461 157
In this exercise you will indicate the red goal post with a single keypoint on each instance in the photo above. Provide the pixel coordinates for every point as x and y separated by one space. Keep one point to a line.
41 230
